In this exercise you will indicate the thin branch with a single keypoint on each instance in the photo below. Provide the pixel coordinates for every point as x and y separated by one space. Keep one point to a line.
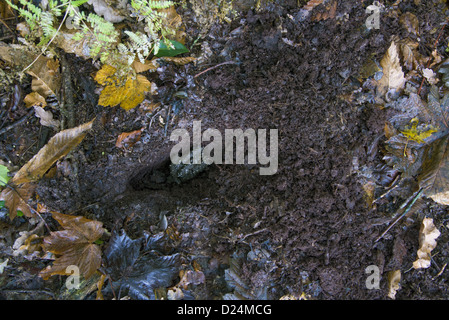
18 122
51 40
212 68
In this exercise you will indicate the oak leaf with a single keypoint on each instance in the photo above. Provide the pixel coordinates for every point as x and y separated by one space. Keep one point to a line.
74 246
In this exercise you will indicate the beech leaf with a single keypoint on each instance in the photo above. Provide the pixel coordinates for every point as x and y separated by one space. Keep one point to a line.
56 148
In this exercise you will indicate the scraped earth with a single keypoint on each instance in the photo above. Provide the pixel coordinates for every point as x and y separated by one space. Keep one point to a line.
311 219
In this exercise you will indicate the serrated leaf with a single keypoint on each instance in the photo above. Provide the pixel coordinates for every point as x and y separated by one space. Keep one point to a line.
139 269
56 148
74 246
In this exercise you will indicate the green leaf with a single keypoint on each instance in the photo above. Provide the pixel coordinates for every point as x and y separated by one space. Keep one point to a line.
4 175
77 3
19 213
165 51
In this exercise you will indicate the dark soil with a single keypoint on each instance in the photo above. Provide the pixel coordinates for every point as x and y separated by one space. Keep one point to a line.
311 218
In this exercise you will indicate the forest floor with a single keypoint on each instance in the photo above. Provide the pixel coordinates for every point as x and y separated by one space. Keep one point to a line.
306 231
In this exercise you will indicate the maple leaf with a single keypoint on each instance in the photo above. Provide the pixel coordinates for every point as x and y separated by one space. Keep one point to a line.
128 91
74 246
427 160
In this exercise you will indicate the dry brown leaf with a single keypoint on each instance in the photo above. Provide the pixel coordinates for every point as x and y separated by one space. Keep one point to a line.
179 61
46 118
312 4
74 245
174 21
16 198
127 139
56 148
191 277
394 279
151 65
409 53
410 22
430 76
53 66
46 80
428 234
82 48
34 99
330 12
393 76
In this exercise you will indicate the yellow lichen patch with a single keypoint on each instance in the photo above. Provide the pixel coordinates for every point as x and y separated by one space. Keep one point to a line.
418 134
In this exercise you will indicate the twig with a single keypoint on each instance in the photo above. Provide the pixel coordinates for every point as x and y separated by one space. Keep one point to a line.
409 204
49 42
7 27
18 122
211 68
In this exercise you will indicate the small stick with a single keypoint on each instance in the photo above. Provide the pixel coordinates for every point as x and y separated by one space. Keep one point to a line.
18 122
211 68
409 206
